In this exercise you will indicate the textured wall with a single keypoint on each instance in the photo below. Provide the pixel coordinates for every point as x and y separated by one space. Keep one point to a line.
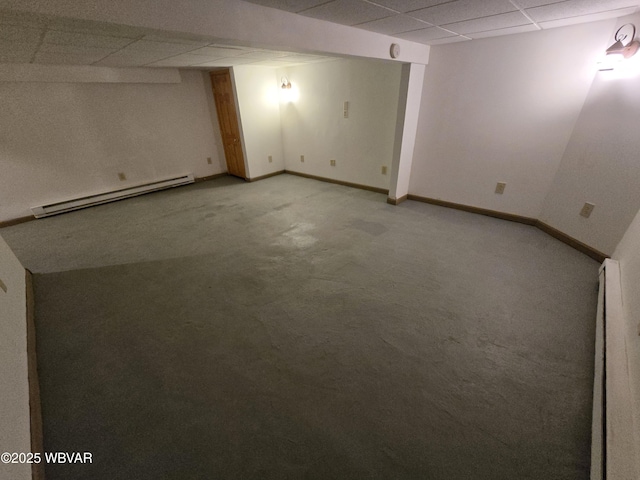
502 110
63 140
314 125
14 393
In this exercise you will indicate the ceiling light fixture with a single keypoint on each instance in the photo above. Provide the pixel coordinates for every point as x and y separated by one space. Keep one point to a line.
285 83
624 47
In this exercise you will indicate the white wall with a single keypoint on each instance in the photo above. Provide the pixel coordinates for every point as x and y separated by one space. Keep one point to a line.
502 109
601 163
628 255
62 140
14 394
314 125
257 90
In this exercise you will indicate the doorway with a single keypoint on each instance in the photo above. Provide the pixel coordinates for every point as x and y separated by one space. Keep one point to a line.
228 120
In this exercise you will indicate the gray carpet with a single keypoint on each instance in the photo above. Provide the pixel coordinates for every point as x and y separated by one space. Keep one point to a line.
294 329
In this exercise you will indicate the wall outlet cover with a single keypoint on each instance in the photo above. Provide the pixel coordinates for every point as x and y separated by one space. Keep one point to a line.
270 158
384 169
500 186
122 176
333 163
587 209
302 158
209 160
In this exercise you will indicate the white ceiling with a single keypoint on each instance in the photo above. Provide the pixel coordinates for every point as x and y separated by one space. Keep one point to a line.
433 22
28 38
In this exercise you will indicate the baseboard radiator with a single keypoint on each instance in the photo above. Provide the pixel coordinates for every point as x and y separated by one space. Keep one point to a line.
612 434
91 200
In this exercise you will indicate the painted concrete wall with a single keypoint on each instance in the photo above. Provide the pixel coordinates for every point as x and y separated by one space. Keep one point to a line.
63 140
628 255
314 125
231 20
503 110
258 93
600 164
14 393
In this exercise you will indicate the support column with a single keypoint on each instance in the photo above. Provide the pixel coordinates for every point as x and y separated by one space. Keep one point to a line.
406 130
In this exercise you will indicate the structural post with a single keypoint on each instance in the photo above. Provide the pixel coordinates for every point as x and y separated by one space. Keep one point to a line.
406 130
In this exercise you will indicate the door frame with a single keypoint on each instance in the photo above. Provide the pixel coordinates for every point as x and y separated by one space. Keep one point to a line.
236 103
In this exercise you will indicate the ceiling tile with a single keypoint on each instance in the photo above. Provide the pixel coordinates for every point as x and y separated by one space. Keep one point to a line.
455 39
64 58
21 35
395 24
56 37
347 12
575 8
167 49
76 50
271 63
257 54
15 55
22 19
462 10
196 40
95 28
494 22
505 31
536 3
218 52
563 22
131 59
424 35
289 5
409 5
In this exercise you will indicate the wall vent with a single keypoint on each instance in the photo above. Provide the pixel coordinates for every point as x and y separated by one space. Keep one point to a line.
91 200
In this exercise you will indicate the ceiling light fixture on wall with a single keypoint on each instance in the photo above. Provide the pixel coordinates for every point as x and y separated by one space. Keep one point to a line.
285 83
624 47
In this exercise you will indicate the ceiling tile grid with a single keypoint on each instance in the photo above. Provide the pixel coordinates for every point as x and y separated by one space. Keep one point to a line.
394 24
575 8
493 22
27 38
462 10
348 12
43 40
459 20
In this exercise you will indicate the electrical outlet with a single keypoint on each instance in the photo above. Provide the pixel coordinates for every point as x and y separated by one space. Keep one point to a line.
302 158
345 111
384 169
122 176
270 159
587 209
209 160
500 186
332 162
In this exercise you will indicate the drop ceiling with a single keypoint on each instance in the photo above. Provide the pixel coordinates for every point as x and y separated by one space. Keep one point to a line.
26 38
39 39
433 22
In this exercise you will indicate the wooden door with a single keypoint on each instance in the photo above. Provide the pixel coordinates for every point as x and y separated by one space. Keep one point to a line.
228 119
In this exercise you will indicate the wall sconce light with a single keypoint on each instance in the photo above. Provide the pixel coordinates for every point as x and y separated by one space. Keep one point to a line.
285 83
624 47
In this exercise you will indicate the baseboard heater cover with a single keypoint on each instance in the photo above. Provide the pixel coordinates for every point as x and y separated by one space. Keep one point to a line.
100 198
612 435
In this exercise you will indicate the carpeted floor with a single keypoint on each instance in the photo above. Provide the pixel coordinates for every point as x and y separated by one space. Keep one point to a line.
293 329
